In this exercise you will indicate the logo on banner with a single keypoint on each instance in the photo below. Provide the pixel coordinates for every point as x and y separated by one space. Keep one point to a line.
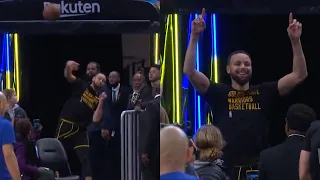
77 9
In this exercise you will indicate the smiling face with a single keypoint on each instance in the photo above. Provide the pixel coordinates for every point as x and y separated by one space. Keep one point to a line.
240 68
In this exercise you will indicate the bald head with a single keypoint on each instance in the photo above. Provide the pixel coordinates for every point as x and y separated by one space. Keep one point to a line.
3 104
173 149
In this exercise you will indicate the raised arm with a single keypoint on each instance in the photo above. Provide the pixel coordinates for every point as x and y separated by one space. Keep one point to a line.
299 69
71 66
199 81
97 116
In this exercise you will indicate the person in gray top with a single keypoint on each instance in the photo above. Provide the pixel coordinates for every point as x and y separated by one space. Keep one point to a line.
209 142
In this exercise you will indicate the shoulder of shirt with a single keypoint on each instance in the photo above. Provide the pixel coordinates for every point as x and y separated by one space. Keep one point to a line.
5 122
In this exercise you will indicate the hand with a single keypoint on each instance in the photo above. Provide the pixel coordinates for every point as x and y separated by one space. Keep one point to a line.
105 134
74 66
144 159
294 29
138 109
41 169
198 25
102 96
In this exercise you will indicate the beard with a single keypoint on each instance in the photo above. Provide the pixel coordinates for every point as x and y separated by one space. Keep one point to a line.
89 77
239 80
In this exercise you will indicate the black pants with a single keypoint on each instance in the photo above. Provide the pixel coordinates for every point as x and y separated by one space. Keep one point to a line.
73 138
116 156
99 153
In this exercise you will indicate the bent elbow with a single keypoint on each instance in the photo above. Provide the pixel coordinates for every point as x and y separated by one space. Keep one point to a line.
189 73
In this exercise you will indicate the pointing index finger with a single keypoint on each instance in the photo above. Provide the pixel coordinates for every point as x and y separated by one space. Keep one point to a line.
203 12
290 18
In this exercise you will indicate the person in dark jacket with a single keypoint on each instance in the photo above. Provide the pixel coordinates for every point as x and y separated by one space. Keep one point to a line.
26 153
209 142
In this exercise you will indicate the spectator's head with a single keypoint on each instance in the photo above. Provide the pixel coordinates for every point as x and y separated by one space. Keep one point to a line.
154 73
174 150
11 96
93 68
138 81
98 81
299 118
3 104
114 78
209 142
23 127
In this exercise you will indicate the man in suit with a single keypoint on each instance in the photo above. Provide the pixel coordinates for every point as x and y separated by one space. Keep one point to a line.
309 166
282 162
118 100
149 136
141 91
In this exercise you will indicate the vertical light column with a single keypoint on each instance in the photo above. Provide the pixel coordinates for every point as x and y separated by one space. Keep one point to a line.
177 71
196 96
214 56
156 48
16 65
7 56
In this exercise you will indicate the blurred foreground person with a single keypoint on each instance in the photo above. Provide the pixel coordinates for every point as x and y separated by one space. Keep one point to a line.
209 142
174 154
25 150
9 169
282 161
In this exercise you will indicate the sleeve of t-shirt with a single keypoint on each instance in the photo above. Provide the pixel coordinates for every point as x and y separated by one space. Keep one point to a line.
213 92
7 133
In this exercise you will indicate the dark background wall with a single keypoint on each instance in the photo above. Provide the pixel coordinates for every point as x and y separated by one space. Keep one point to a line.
265 38
44 88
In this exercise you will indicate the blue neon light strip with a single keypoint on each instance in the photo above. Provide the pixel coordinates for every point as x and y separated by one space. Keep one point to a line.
7 53
197 97
3 53
214 37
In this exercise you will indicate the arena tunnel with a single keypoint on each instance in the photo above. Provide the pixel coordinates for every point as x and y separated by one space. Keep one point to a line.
34 50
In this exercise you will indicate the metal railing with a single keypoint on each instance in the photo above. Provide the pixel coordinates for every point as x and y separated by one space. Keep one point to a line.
130 159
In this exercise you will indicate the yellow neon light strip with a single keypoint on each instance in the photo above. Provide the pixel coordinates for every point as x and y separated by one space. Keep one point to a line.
156 48
173 72
177 70
16 64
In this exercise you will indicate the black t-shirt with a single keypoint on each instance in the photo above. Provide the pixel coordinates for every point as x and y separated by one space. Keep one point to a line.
312 143
243 118
80 107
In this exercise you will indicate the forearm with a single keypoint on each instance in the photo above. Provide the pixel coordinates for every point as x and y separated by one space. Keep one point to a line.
299 61
98 113
12 165
68 74
190 59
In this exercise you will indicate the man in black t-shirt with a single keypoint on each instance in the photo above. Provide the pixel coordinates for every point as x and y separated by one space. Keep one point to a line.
309 166
242 110
83 107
